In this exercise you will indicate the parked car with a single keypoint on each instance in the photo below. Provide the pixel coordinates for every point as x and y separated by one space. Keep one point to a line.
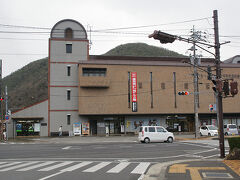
149 134
208 130
230 129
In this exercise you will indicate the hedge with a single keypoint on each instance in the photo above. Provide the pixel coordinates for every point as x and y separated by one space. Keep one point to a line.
234 142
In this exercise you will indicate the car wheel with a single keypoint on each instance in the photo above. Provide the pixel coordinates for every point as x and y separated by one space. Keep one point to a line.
170 139
147 140
226 134
200 134
209 134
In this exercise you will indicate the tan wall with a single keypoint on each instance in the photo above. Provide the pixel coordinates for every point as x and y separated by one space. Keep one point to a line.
113 99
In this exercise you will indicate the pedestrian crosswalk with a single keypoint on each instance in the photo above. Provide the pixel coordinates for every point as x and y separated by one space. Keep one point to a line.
68 166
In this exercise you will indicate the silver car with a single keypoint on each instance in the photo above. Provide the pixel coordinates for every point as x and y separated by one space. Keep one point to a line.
230 129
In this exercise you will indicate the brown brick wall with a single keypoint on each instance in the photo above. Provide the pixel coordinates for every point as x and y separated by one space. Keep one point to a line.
113 99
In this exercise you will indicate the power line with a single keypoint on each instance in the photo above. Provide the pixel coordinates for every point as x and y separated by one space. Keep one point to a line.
134 27
144 26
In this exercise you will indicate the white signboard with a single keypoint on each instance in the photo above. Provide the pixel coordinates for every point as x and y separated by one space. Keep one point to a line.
36 127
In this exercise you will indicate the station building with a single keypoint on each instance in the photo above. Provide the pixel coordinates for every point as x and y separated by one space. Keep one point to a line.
106 95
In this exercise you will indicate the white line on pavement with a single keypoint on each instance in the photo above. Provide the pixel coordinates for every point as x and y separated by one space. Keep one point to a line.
68 147
192 144
37 166
56 166
141 168
10 164
18 166
97 167
52 175
119 167
77 166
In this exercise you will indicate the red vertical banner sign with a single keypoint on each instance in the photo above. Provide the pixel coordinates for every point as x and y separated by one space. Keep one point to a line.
134 91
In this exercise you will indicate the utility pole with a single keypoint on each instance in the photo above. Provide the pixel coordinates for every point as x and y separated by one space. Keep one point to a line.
6 103
168 38
1 109
218 80
195 80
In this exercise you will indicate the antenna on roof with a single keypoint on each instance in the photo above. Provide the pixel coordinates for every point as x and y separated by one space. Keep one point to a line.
90 36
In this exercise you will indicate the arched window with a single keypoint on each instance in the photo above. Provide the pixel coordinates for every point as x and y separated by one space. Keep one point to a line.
68 33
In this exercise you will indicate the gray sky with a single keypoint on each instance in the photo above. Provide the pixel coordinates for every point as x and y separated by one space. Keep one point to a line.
21 48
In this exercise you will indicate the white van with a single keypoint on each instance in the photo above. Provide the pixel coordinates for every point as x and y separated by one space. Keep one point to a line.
149 134
230 129
208 130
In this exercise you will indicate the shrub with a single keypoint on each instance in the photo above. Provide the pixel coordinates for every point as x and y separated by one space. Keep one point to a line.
234 142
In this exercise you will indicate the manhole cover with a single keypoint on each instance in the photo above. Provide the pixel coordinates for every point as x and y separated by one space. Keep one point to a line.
216 175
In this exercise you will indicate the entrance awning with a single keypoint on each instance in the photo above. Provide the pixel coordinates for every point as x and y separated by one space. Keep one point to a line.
27 118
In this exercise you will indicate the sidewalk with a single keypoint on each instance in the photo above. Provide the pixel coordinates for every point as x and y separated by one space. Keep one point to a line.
102 139
195 170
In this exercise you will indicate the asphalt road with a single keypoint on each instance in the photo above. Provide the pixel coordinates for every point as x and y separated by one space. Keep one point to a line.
93 161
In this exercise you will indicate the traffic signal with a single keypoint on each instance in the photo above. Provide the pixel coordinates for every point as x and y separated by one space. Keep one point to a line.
184 93
233 88
218 86
1 99
209 71
164 38
226 88
211 107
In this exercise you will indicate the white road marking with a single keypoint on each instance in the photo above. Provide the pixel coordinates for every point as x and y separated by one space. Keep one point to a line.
3 162
205 151
37 166
56 166
141 177
125 146
211 156
97 167
10 164
99 147
119 167
68 147
18 166
141 168
192 144
77 166
51 175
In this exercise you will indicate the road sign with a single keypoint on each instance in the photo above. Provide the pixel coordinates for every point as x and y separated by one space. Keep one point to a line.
6 117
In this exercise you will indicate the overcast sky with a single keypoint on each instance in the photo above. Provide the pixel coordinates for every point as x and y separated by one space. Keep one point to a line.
173 16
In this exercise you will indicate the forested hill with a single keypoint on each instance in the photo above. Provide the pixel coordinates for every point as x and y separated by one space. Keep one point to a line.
141 49
29 84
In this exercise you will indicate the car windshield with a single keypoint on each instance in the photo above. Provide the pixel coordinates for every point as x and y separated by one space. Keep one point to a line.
140 130
232 126
212 128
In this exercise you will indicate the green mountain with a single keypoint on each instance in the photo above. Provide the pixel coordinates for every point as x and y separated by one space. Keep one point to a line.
29 84
141 49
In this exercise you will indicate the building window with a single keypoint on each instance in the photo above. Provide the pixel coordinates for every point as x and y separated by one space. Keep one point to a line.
185 85
68 48
68 94
140 85
68 119
69 33
94 71
163 86
68 70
